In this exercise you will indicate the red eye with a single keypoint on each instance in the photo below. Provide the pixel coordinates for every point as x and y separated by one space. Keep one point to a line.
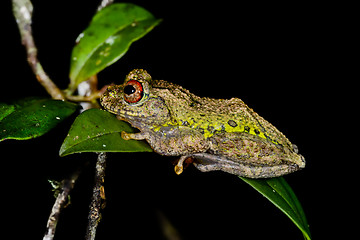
133 91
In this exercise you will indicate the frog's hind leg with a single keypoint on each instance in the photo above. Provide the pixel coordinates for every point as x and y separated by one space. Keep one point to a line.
207 162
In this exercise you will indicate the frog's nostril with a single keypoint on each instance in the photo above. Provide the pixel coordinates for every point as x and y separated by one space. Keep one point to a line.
112 93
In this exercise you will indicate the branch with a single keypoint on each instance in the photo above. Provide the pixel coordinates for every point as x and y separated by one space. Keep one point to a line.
98 198
66 186
104 3
22 10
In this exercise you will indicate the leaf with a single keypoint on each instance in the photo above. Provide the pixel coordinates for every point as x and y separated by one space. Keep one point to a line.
278 191
99 131
5 110
107 38
30 118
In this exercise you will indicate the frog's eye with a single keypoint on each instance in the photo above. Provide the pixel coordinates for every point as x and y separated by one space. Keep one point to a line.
133 91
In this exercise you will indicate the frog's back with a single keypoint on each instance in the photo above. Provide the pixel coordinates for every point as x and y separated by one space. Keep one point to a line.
213 116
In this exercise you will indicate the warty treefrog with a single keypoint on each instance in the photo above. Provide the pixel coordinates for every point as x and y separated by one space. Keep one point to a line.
214 134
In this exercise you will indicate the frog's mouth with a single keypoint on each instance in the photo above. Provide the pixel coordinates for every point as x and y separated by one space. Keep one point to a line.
150 112
110 106
119 109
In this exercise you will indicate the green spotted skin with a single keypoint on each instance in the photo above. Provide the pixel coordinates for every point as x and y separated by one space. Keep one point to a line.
219 134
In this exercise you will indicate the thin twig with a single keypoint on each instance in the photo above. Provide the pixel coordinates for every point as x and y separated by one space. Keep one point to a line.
79 98
66 186
22 10
98 198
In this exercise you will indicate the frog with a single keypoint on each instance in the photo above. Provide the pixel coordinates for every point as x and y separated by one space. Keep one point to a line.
212 134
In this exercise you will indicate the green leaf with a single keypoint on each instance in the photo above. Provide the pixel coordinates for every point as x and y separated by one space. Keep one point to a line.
5 109
278 191
30 118
99 131
107 38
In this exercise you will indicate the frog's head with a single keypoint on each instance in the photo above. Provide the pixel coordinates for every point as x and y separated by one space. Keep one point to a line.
133 101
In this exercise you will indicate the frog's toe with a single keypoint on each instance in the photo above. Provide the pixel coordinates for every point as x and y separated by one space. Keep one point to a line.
179 166
178 169
125 135
135 136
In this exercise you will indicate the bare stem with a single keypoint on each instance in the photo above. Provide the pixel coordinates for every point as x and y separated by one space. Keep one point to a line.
22 10
98 198
66 186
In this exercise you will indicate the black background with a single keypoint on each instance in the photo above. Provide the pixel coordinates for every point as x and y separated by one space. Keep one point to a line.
279 59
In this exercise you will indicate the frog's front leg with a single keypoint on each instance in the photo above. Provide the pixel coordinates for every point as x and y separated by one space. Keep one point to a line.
173 141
